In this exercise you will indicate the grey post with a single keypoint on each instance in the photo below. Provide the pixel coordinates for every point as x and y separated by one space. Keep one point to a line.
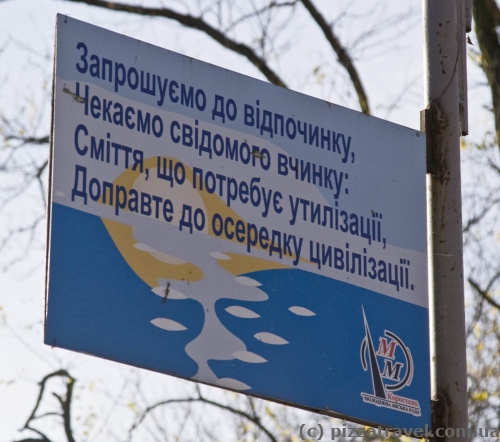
444 29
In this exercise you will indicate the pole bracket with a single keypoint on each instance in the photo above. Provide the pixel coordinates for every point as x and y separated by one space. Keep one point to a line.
427 126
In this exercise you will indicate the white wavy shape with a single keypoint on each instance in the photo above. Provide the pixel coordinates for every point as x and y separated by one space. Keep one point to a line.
59 193
270 338
172 293
301 311
233 384
248 356
242 312
168 259
219 255
168 324
160 256
245 280
144 247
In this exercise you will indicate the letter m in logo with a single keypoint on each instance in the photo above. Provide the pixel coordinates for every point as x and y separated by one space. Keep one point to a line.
386 349
392 371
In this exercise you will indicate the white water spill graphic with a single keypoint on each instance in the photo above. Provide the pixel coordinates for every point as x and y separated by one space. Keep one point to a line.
168 324
172 293
214 342
160 256
233 384
242 312
144 247
248 356
301 311
270 338
219 255
245 280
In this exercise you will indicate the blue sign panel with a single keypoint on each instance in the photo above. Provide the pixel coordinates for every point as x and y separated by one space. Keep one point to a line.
214 227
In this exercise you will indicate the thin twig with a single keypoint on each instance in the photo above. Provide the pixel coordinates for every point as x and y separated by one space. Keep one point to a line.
200 399
29 140
484 293
194 23
342 54
260 11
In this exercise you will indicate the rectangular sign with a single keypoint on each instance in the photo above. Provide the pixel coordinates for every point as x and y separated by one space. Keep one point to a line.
217 228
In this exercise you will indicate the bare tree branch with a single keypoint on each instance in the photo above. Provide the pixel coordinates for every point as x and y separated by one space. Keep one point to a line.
201 399
30 229
194 23
65 405
30 439
476 219
487 20
343 57
30 140
494 166
484 293
271 5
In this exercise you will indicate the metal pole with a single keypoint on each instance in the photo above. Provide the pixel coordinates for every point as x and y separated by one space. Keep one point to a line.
442 36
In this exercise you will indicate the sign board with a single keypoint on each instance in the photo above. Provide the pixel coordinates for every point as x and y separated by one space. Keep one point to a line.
217 228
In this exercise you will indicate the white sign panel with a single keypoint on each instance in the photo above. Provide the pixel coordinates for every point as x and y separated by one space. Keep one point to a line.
217 228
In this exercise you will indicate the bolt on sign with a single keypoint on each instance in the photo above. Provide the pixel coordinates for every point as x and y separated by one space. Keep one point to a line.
214 227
